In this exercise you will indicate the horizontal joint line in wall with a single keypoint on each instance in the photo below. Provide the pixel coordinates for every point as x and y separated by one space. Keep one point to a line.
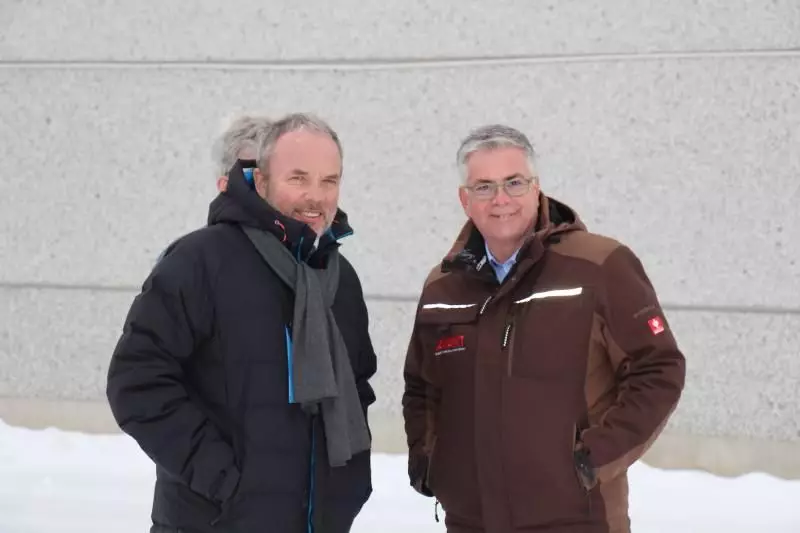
388 63
408 298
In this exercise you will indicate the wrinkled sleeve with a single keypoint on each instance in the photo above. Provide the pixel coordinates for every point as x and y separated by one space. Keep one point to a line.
418 397
167 322
367 359
649 368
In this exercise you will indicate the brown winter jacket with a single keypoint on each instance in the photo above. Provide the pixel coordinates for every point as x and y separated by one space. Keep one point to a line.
526 402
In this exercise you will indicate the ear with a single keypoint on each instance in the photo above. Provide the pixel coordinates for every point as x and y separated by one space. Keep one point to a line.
260 181
463 197
222 183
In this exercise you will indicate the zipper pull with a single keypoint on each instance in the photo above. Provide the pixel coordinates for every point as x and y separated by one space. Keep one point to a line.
436 510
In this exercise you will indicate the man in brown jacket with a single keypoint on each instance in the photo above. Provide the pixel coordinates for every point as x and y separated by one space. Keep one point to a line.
541 365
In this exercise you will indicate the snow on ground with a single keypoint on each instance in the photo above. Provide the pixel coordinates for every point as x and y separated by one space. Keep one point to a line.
59 482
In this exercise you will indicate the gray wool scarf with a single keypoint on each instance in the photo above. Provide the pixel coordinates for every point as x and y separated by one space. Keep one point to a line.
322 378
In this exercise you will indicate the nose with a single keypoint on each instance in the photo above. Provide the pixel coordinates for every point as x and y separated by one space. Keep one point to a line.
315 191
502 197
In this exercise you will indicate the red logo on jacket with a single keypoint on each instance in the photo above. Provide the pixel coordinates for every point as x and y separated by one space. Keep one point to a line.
454 343
656 325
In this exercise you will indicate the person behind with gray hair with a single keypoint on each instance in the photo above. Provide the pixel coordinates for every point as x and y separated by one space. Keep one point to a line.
244 364
541 365
240 141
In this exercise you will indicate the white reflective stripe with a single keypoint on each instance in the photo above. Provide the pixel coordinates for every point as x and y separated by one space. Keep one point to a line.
558 293
448 306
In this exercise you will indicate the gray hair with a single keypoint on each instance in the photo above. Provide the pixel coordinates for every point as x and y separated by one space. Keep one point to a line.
244 133
288 124
491 137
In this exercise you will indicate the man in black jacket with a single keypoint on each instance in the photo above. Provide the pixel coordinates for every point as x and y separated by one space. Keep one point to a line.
243 366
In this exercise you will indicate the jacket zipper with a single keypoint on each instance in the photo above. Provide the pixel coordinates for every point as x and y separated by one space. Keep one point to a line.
312 478
430 466
578 466
508 342
428 481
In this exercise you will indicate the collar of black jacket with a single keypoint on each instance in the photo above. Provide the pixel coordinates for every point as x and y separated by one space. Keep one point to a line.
240 204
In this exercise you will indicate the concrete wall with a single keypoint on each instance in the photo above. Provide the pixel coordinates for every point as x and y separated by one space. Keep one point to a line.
672 126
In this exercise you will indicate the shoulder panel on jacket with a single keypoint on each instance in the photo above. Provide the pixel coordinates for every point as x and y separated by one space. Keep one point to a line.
434 275
587 246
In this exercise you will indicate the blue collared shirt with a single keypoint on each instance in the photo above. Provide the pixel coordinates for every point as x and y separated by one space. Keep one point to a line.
501 270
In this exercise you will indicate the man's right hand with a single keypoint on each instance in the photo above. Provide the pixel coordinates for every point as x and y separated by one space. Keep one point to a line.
418 474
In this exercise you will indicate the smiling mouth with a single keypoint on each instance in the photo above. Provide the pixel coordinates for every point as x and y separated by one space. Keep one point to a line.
310 215
504 217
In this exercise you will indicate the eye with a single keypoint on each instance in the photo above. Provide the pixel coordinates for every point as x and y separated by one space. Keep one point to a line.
297 178
482 188
516 182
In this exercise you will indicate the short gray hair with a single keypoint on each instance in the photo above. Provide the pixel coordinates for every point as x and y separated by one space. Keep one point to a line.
288 124
491 137
243 133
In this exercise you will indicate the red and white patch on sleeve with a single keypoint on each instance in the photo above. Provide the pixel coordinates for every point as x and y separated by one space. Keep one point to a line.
656 325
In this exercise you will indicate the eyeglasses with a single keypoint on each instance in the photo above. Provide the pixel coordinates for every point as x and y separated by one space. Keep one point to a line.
487 190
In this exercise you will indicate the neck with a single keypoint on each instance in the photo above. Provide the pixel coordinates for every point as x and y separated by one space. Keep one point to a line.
502 251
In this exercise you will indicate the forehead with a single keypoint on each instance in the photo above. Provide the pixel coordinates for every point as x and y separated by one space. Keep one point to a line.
309 146
497 163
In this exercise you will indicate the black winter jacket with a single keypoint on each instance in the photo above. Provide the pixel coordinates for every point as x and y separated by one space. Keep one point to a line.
199 378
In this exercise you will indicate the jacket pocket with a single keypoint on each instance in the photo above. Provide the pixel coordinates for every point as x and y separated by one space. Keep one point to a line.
539 456
551 336
452 478
448 339
225 508
426 481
